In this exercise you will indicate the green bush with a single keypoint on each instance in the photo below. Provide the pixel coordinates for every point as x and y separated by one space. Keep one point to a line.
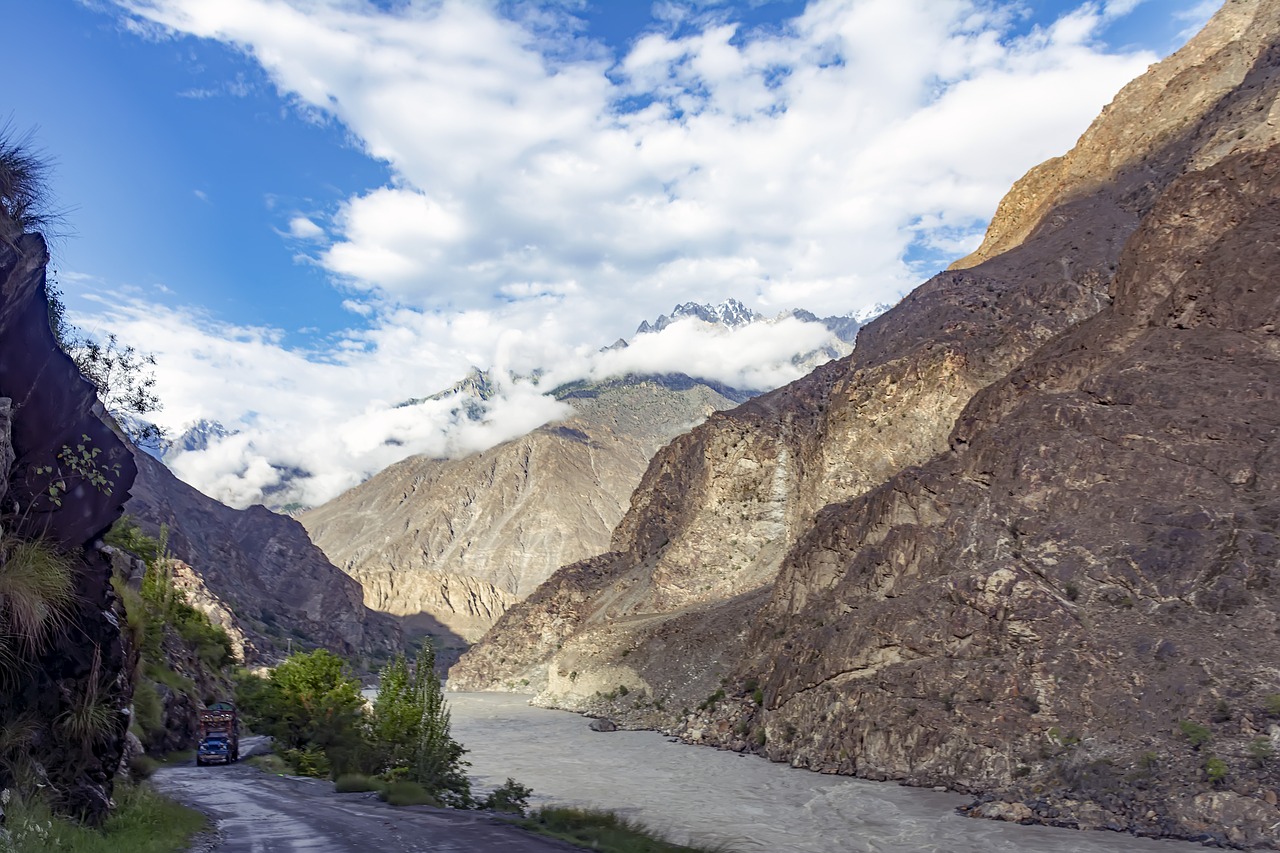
407 793
1272 704
143 822
1195 733
602 831
148 710
511 797
310 760
1215 770
142 767
352 783
1260 751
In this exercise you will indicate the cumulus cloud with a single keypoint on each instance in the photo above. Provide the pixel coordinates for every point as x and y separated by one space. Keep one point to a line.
546 195
791 165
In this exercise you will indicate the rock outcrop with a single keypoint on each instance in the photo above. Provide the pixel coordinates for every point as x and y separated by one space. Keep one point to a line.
65 475
1024 533
263 569
452 544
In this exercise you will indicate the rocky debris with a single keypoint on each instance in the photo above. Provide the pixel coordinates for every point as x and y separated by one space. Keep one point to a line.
1025 532
273 585
55 437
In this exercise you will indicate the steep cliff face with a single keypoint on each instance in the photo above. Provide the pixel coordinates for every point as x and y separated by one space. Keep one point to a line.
263 567
948 588
455 543
65 474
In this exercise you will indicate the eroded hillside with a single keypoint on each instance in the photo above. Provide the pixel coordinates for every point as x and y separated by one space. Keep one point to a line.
893 572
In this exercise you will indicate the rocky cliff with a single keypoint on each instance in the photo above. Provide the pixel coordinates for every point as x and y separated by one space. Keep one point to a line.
262 567
450 545
64 687
1023 539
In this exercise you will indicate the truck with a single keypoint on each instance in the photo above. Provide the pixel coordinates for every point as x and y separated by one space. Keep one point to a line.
219 735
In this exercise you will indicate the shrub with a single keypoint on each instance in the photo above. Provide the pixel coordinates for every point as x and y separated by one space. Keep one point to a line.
1195 733
1272 704
511 797
601 830
1260 751
407 793
142 767
1215 770
353 783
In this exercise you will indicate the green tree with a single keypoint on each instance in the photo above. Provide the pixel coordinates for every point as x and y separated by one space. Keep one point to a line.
311 703
409 730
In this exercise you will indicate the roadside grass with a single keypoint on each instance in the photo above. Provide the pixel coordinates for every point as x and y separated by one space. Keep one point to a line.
183 757
270 763
604 831
408 794
352 783
144 822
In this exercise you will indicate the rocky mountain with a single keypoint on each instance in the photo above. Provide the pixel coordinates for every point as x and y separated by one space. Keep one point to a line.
63 476
262 568
1023 540
449 545
198 435
732 314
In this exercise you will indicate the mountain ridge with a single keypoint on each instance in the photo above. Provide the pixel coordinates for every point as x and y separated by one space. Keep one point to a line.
822 570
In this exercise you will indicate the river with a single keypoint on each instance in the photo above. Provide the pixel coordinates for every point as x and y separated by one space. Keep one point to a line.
699 794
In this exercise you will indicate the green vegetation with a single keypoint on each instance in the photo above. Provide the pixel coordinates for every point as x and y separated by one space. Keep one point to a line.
1260 751
36 589
144 822
1272 704
24 173
407 793
353 783
511 797
1195 733
157 610
312 706
1215 770
603 831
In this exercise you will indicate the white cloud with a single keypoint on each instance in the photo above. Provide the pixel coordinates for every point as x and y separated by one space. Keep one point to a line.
546 196
338 415
303 228
795 160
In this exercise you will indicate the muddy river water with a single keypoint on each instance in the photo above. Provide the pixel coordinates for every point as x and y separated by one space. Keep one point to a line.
749 804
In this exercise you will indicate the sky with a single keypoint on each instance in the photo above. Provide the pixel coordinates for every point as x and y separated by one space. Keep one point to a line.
313 210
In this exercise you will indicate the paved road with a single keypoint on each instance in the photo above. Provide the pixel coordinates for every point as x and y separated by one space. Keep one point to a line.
256 812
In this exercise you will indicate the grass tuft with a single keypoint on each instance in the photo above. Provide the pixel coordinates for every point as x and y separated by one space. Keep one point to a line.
408 794
604 831
36 591
143 822
352 783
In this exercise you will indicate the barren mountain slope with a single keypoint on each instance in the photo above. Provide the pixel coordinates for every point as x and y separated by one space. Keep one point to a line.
262 566
720 507
460 541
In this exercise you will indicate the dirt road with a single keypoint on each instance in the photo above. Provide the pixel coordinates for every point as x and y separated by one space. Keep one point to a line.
256 812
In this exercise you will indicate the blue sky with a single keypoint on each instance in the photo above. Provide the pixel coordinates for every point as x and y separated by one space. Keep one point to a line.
312 207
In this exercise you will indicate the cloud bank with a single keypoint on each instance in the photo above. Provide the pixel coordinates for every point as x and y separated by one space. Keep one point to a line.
548 193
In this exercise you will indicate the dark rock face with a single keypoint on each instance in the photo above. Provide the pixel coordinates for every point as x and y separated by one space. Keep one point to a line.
1024 531
263 566
57 437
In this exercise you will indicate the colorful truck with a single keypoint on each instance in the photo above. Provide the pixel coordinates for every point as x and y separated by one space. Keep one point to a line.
219 735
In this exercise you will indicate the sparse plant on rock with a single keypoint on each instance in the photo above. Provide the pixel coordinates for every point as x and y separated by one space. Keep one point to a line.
1215 770
1195 733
